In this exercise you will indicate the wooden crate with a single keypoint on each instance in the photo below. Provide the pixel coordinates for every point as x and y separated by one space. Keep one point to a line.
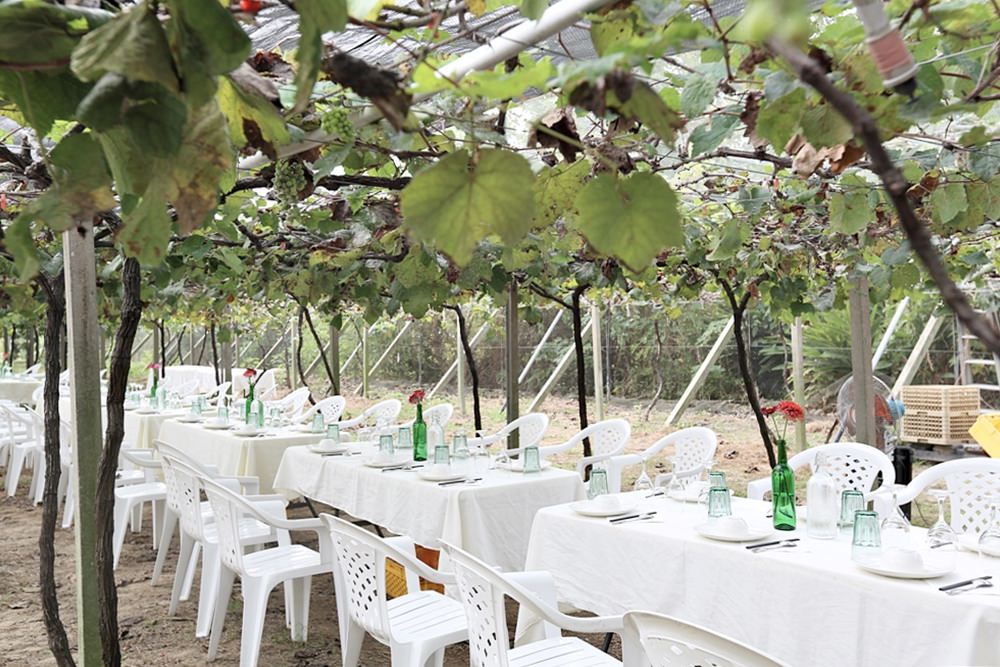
395 574
938 428
940 398
939 414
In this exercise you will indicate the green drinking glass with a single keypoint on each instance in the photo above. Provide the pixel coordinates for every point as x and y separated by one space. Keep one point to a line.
717 480
719 503
851 502
867 540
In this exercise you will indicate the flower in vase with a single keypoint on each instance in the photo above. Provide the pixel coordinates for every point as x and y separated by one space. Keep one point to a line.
790 410
250 372
417 397
154 366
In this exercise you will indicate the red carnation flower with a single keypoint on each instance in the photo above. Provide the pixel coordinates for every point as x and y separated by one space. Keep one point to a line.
154 366
767 412
792 411
417 396
249 373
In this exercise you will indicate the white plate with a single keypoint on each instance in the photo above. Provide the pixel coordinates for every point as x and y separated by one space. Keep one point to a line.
307 428
971 543
518 465
590 508
316 449
190 419
926 571
214 426
753 533
443 476
385 463
130 408
145 411
247 432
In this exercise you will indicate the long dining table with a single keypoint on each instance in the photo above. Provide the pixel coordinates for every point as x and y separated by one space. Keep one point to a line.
491 518
805 605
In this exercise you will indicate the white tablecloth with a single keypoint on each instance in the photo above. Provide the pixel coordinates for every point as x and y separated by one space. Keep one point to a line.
140 429
233 455
491 519
18 390
809 606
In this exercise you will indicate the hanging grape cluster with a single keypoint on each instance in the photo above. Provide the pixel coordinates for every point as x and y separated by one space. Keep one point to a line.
336 122
289 180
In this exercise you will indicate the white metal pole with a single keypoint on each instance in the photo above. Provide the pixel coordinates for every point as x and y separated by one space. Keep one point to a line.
883 343
798 381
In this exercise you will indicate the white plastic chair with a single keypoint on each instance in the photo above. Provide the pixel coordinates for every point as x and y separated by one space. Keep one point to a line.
971 485
437 414
416 627
851 464
330 407
378 416
292 565
662 641
197 527
694 452
293 404
246 484
482 590
607 438
530 430
130 499
30 452
218 394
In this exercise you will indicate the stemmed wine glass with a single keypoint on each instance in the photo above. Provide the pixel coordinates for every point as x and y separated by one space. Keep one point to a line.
643 482
989 539
895 527
941 533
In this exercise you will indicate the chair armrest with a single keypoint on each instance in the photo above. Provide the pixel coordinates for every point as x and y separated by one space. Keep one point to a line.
592 624
250 484
757 488
351 423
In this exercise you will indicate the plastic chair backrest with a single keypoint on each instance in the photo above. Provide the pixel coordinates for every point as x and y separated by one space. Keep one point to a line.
482 597
361 561
383 413
294 402
184 495
972 483
606 437
228 509
440 414
530 428
668 642
331 408
693 447
851 464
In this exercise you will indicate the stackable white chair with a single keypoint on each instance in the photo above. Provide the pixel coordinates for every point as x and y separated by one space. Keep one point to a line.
607 439
482 589
330 407
439 414
851 464
35 371
293 565
130 499
530 430
417 626
13 429
293 404
198 527
266 385
971 484
694 453
218 394
661 641
381 415
29 452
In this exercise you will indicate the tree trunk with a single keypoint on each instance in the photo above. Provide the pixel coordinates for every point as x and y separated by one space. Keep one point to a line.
463 333
743 357
299 341
319 346
163 350
54 320
215 354
581 361
121 361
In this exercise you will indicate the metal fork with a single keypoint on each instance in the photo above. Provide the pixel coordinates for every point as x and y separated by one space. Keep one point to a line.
783 544
971 585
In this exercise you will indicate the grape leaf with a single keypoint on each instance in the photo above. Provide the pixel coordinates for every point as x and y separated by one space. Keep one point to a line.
42 32
823 127
631 218
133 44
947 201
708 137
315 18
462 199
44 97
556 190
849 213
648 107
699 91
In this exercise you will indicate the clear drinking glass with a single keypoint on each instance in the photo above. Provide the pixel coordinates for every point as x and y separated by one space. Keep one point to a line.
442 456
718 502
851 501
223 414
989 539
405 437
643 482
867 540
895 527
941 533
480 459
317 425
717 480
532 459
675 487
385 445
598 485
333 433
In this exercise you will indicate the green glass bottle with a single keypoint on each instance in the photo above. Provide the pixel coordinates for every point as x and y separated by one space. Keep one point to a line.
248 405
419 435
783 491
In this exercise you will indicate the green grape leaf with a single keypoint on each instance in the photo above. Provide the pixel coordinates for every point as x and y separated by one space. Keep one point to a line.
42 32
984 160
556 190
205 161
147 228
632 218
155 118
245 111
18 240
133 44
778 120
734 234
706 138
43 96
462 199
315 18
364 10
849 213
699 91
499 84
220 43
823 126
649 108
533 9
102 108
947 201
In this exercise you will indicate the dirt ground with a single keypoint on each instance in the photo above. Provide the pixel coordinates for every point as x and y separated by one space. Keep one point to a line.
152 639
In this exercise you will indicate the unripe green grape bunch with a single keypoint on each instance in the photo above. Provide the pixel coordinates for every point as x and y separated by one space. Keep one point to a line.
289 180
337 122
